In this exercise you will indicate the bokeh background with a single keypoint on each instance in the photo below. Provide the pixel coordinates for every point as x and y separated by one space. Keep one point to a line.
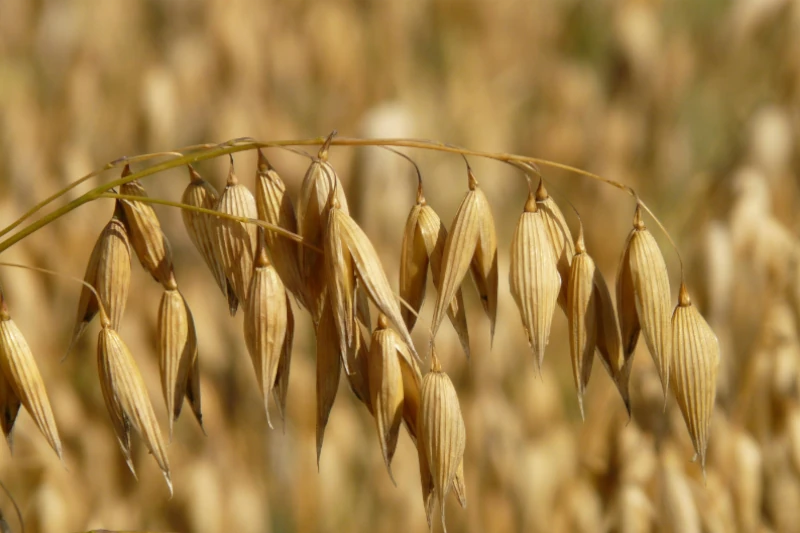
695 104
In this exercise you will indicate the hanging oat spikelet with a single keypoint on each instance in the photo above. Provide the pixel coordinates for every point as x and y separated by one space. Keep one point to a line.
275 207
643 297
148 240
426 478
459 487
696 362
193 392
200 226
609 342
559 236
534 278
328 371
412 383
177 349
126 398
582 316
281 386
21 373
236 241
423 245
358 363
340 281
312 217
265 322
109 272
9 408
386 389
470 245
441 430
369 272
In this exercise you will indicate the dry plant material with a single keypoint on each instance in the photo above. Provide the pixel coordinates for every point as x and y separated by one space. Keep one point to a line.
266 323
193 392
358 376
534 279
643 297
471 244
412 385
312 218
109 272
347 237
177 347
21 373
386 388
609 340
200 226
559 236
280 388
148 240
275 207
236 241
329 368
582 303
696 363
442 431
9 408
126 399
423 246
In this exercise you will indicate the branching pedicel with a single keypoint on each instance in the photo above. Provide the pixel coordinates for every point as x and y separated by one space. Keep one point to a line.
313 250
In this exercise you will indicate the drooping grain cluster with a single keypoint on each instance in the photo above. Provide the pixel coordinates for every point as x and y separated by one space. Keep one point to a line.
323 260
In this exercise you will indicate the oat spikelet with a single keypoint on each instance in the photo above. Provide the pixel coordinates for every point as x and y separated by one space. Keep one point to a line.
534 278
109 272
412 384
609 341
328 371
423 246
236 241
265 323
200 226
281 386
459 487
358 363
426 478
340 281
126 398
582 317
645 278
386 389
369 272
148 240
312 216
9 408
177 350
193 393
275 207
559 236
20 370
696 362
470 245
442 430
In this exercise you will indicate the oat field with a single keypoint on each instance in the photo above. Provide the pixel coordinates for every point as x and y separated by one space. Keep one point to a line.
543 276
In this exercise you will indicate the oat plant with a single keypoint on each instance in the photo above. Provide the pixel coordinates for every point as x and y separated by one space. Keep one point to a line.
272 256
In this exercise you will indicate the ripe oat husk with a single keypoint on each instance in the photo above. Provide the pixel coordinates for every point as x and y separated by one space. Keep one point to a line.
471 245
358 377
21 373
236 241
312 218
9 408
534 278
368 271
559 236
275 207
696 363
109 272
412 384
442 430
177 350
582 313
193 393
426 478
265 323
126 399
643 297
386 389
329 367
459 487
609 341
281 386
148 240
200 226
340 280
423 246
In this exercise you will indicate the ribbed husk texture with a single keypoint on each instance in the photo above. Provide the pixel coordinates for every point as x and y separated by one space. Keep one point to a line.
582 310
559 236
329 368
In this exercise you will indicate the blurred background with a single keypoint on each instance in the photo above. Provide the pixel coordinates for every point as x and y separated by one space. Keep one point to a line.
695 104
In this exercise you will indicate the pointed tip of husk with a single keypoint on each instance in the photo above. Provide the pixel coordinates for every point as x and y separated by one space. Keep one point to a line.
77 333
263 162
580 405
541 191
471 179
232 179
194 176
126 171
638 221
